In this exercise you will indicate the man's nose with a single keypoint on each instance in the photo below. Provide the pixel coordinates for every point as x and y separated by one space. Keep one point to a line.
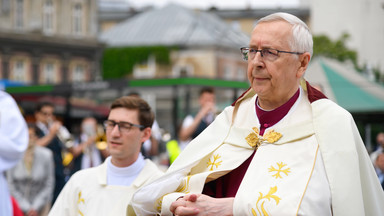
115 130
258 60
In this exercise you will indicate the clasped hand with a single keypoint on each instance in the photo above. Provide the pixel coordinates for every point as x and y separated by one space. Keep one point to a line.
200 204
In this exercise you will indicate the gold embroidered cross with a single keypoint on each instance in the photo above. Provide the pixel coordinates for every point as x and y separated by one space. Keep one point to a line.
254 139
214 162
279 170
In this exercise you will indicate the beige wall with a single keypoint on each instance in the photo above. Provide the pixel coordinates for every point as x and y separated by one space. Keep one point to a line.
205 63
202 62
106 25
246 24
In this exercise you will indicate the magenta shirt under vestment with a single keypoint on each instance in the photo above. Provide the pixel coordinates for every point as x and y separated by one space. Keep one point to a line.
227 185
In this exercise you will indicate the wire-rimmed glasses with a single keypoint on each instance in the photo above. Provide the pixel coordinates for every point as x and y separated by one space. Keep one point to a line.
267 53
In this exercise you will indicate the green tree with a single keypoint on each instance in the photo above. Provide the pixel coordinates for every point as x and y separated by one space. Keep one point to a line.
119 62
323 46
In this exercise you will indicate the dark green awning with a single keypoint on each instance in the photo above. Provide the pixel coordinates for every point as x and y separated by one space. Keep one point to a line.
350 89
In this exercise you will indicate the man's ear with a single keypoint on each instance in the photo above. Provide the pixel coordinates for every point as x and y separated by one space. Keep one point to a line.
304 61
146 134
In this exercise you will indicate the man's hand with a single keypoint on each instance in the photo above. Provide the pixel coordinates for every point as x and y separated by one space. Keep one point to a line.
207 108
200 204
55 127
32 212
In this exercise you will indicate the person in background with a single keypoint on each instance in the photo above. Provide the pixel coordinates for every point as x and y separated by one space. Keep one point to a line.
377 158
283 148
16 209
192 126
31 181
107 189
49 133
13 143
85 152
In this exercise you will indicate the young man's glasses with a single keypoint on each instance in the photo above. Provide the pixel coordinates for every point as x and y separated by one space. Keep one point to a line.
267 54
124 127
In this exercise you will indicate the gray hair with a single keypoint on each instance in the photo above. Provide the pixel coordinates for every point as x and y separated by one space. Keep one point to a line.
302 37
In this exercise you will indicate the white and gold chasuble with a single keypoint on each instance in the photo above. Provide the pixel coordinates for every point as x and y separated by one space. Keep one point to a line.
287 175
88 194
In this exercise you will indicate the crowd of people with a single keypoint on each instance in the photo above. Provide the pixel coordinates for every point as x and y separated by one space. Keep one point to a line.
282 148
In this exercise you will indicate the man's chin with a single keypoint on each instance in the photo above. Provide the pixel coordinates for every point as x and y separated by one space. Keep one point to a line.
114 149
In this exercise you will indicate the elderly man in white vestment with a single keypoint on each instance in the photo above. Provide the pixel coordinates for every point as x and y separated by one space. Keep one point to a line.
282 148
107 189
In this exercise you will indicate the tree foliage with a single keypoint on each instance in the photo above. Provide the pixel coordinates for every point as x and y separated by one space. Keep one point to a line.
323 46
119 62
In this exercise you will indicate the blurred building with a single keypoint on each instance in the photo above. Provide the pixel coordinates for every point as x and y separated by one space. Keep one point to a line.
205 45
204 50
361 19
49 41
245 20
112 12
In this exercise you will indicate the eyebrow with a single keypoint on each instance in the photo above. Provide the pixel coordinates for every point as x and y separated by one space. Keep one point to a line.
124 122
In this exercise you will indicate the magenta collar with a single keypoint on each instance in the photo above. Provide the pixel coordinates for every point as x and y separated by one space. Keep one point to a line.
270 118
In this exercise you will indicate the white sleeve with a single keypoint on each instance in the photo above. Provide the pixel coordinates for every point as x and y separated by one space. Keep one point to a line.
156 133
187 121
13 132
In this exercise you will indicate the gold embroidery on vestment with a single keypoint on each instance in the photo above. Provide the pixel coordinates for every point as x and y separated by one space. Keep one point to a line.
79 201
183 188
254 139
261 210
214 162
279 170
159 203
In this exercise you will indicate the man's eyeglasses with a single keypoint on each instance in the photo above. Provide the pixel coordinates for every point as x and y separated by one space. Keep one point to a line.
123 126
267 54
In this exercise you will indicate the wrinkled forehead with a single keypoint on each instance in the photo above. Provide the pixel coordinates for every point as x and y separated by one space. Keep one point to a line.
268 34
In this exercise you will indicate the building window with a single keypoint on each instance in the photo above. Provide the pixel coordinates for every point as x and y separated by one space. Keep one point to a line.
5 6
19 14
19 71
48 17
78 74
49 75
77 19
